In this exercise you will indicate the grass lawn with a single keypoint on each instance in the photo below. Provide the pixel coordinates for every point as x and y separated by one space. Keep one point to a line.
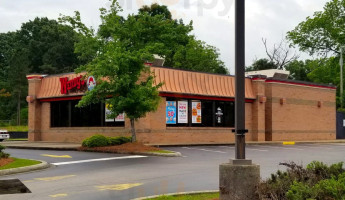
15 128
201 196
19 162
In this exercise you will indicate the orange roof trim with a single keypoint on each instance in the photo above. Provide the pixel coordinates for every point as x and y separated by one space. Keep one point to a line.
175 81
197 83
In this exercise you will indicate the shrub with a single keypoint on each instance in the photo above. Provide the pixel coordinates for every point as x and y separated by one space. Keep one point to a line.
119 140
3 154
96 141
316 181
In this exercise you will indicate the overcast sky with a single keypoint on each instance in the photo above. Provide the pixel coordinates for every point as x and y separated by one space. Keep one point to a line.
213 19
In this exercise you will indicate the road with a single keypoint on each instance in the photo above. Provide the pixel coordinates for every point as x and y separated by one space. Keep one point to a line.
90 176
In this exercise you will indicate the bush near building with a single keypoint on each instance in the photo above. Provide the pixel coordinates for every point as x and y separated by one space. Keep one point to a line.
316 181
101 141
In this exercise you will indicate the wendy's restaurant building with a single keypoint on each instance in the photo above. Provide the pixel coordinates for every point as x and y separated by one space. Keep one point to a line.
195 108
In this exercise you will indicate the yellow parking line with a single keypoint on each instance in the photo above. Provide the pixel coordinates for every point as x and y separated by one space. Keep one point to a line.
118 186
54 178
58 195
57 156
288 143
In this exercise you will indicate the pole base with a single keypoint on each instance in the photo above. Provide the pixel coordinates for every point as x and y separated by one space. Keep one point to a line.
238 180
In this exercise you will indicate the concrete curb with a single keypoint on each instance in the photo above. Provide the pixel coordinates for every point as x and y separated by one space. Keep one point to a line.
253 143
175 154
178 193
44 148
42 165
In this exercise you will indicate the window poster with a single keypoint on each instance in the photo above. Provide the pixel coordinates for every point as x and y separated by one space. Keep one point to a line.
196 112
120 117
182 112
108 112
171 112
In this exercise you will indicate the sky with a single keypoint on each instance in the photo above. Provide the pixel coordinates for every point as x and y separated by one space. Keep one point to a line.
213 20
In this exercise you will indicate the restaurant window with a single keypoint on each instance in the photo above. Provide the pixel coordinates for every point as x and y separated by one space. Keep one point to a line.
66 114
199 113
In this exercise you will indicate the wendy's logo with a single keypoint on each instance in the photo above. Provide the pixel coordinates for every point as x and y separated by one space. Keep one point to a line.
91 83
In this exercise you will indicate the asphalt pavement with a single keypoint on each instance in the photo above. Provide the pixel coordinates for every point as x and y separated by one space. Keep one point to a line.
88 175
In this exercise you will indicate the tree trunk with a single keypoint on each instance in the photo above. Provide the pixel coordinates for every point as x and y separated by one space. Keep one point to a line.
134 139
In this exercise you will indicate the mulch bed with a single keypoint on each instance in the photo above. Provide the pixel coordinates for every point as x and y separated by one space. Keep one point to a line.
5 161
124 148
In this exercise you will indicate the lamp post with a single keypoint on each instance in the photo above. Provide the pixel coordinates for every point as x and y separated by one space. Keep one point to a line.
239 79
341 76
239 178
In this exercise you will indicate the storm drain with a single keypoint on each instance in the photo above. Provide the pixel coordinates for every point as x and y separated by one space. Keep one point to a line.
12 186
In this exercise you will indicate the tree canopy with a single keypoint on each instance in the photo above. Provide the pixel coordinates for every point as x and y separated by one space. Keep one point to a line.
261 64
40 46
322 33
117 53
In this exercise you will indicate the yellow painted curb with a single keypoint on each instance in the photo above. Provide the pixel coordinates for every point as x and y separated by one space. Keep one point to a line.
288 143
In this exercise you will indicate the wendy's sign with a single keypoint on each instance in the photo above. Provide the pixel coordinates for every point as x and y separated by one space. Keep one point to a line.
75 84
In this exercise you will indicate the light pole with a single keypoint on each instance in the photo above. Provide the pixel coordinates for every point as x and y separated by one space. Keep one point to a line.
239 79
341 76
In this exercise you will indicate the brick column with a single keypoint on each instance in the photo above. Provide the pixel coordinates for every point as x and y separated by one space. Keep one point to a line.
34 121
258 109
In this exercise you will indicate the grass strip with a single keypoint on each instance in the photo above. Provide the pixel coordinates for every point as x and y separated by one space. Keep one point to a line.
201 196
15 128
161 151
17 139
19 162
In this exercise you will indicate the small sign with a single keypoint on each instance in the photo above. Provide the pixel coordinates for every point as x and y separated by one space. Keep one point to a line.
344 123
182 112
108 112
171 112
196 112
120 117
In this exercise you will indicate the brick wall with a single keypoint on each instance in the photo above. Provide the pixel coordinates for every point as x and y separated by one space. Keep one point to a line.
295 112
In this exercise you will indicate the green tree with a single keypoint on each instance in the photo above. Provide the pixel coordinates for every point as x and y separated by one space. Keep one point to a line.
120 60
261 64
299 69
199 56
40 46
156 9
324 32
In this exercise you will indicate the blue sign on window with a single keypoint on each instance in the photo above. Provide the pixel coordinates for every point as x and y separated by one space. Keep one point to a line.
171 112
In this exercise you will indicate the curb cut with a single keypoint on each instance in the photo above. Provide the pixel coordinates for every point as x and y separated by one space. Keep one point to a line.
178 193
42 165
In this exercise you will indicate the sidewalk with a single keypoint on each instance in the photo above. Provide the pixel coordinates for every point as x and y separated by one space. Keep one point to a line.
74 146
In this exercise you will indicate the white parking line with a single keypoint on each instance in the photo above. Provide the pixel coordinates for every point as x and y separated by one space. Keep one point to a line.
247 148
96 160
314 147
204 150
293 148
